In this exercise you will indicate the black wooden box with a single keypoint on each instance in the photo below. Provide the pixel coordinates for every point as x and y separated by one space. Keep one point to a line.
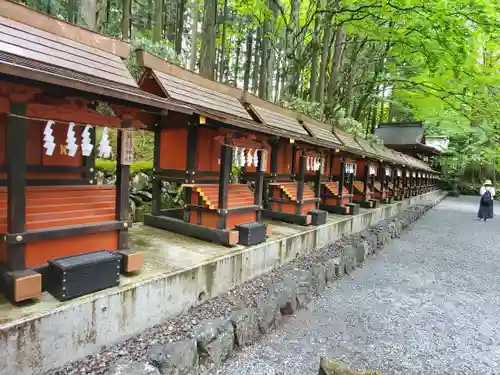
318 217
251 233
353 208
76 276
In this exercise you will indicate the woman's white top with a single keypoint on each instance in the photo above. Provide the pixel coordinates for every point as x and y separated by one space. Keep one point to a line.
483 190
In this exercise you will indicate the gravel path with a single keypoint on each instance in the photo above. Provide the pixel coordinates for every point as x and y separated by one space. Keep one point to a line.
428 304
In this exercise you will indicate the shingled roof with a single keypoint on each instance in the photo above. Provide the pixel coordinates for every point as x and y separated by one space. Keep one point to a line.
41 48
404 136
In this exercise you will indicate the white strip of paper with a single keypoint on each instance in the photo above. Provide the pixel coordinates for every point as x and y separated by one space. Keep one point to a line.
87 145
104 146
48 139
71 140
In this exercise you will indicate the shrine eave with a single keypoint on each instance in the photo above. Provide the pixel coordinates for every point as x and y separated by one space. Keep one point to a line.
15 66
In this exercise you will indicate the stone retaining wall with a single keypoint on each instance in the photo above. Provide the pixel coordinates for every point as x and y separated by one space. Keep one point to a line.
215 340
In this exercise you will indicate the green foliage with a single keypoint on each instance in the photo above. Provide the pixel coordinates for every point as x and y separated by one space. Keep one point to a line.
108 167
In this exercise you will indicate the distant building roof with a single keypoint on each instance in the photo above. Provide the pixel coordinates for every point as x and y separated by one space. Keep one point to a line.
407 136
401 133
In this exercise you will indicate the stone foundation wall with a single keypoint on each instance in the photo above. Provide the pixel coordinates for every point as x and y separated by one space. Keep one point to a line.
213 341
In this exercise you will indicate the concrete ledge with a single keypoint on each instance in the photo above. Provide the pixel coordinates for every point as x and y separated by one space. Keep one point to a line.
40 342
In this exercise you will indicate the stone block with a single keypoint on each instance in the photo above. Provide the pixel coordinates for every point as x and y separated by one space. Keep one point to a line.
362 252
215 339
303 281
329 367
349 258
285 293
175 358
339 266
130 367
330 273
246 326
268 314
318 272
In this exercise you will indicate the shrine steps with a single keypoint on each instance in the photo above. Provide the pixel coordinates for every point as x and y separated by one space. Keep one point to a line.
286 206
358 198
330 200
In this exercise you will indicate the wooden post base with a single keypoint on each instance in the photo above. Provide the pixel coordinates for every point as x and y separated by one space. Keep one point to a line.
318 217
288 218
353 208
22 286
222 237
334 209
251 233
131 261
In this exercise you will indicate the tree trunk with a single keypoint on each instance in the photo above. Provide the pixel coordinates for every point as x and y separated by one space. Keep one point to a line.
277 69
264 61
73 11
256 61
102 15
314 61
336 64
293 31
348 95
126 19
194 35
327 36
149 16
158 20
170 12
180 26
237 62
208 40
223 42
248 60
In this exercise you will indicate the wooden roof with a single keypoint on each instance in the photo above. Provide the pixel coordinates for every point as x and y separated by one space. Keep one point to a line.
319 130
187 87
274 115
368 148
42 48
348 140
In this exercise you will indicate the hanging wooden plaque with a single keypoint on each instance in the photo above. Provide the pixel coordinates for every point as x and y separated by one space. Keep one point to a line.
127 155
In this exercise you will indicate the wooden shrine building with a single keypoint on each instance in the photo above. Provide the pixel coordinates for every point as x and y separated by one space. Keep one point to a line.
288 197
58 83
199 152
406 137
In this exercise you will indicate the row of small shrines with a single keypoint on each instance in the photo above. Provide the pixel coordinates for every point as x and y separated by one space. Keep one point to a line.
281 180
65 234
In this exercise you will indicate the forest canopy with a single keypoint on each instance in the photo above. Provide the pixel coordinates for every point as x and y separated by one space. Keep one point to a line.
351 63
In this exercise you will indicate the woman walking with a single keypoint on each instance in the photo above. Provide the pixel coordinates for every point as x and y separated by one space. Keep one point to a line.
487 193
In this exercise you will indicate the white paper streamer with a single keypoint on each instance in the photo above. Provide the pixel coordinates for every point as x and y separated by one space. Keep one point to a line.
236 160
48 139
71 140
104 146
242 157
87 145
256 158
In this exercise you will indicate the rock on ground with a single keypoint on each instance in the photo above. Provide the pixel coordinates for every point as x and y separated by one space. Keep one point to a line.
429 303
129 367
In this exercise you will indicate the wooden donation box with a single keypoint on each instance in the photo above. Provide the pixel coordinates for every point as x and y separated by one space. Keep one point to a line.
76 276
